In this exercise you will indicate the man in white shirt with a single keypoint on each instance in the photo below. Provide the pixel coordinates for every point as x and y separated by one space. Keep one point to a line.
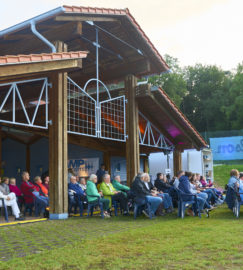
10 200
178 175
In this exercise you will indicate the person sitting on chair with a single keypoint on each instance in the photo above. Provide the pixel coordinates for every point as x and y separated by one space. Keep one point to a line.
10 200
13 188
141 193
167 200
4 188
93 195
111 193
185 187
176 181
234 178
118 186
27 188
82 183
76 190
46 181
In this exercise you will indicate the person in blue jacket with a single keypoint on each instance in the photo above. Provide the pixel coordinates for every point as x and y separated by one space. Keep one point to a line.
77 192
234 178
184 186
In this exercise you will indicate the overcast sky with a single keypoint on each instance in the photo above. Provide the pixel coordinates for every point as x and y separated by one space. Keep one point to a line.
194 31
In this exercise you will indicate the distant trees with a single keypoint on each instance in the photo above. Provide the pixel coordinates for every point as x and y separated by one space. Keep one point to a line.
234 110
173 82
211 98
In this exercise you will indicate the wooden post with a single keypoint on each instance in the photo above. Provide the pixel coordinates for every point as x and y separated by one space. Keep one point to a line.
146 164
58 147
58 144
1 169
27 158
132 143
177 161
107 161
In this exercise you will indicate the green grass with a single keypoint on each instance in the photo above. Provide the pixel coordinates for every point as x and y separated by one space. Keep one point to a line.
222 173
165 243
123 243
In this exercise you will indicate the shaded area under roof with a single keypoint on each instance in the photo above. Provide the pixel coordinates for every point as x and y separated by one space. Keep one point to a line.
160 110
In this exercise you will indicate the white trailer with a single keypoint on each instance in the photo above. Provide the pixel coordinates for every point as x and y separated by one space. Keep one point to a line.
192 160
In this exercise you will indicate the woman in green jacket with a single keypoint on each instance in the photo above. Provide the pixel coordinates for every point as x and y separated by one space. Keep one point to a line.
118 186
93 194
111 193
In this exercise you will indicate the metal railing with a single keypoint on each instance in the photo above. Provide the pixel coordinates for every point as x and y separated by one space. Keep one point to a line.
16 108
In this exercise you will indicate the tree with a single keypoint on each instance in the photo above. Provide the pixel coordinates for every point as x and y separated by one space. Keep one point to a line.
172 82
234 110
205 102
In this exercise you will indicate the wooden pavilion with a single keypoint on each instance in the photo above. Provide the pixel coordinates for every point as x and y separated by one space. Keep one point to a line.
71 75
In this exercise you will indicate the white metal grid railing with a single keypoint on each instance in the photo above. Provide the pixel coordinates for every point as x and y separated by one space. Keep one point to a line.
82 118
20 106
113 119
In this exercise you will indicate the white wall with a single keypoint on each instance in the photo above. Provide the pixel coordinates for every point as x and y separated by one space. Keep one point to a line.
158 163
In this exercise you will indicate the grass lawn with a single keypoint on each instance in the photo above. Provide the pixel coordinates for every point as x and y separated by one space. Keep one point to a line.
222 173
122 243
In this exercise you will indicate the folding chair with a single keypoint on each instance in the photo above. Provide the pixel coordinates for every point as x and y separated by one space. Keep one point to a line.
184 203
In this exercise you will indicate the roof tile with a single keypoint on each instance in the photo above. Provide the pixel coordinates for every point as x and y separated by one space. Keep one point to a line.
18 59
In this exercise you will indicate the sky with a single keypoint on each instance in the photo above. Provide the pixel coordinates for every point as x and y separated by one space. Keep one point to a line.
194 31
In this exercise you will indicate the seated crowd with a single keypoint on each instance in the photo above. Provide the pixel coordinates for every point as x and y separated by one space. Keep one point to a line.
30 195
156 199
161 197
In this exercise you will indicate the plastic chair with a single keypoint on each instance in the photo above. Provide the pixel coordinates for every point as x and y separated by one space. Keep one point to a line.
91 206
73 201
39 206
28 207
233 200
183 203
115 205
5 209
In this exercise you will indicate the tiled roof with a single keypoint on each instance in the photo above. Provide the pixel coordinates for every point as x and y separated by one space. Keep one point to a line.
20 59
94 10
109 11
182 116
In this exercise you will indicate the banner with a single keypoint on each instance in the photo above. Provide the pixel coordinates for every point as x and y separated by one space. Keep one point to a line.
84 167
227 148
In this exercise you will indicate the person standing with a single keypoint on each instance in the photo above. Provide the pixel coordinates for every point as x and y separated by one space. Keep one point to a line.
100 173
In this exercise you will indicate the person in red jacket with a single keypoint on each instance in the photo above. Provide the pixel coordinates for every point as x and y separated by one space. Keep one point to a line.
27 188
13 188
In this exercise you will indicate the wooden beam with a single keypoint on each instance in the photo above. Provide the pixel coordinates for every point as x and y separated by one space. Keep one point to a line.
177 161
58 147
27 167
73 18
146 164
107 161
13 137
34 139
13 37
1 137
33 67
132 143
